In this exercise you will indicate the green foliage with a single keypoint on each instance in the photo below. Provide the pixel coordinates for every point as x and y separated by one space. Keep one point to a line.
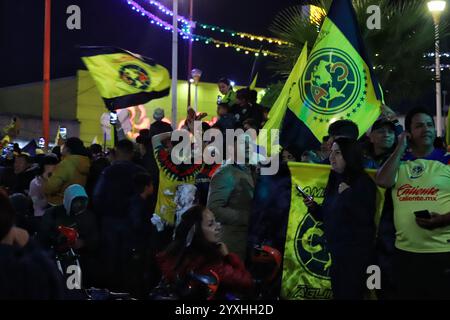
272 92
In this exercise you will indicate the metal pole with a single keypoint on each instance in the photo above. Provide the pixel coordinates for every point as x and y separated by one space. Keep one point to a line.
444 94
196 98
46 90
174 63
191 14
438 76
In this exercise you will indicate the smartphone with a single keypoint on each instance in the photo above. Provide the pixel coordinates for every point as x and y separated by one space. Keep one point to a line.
423 214
398 128
303 193
41 143
113 118
8 151
63 133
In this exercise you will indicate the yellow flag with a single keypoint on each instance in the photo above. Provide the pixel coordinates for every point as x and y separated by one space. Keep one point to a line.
125 79
278 110
307 261
338 81
253 84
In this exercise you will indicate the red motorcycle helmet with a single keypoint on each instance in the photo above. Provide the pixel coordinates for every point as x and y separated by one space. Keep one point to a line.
267 260
71 236
204 285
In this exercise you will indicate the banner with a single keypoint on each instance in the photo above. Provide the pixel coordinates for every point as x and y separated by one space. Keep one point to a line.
307 262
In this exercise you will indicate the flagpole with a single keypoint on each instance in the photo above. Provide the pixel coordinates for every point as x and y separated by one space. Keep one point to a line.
174 63
46 90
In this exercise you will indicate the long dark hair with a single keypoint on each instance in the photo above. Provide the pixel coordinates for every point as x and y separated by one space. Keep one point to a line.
181 249
354 163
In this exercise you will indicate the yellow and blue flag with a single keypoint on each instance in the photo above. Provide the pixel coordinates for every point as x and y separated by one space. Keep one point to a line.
289 95
338 82
125 79
255 68
307 260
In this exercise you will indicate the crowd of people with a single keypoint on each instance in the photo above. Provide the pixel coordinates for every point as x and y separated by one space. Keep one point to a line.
142 219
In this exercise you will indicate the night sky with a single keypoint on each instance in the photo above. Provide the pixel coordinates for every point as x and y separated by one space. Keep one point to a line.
112 22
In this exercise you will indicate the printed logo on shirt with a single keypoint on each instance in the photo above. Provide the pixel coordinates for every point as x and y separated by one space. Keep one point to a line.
417 171
408 192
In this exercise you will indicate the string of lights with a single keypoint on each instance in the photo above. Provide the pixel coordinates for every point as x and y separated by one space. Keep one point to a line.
242 34
169 12
431 55
193 37
205 26
238 47
154 19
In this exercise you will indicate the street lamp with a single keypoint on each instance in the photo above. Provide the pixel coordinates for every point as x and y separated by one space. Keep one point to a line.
196 74
436 8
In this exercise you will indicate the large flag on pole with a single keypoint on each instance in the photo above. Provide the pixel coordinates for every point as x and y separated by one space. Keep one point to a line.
289 95
125 79
255 69
338 81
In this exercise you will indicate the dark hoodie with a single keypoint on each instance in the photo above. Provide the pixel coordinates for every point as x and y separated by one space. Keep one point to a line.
28 274
84 222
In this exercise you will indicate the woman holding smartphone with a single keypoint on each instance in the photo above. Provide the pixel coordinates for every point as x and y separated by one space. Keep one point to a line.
348 213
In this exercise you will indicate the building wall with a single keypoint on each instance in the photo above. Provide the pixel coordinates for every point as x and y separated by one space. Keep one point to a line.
90 105
25 102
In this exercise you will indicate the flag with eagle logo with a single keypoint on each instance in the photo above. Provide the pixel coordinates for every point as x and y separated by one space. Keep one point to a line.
307 260
338 81
125 79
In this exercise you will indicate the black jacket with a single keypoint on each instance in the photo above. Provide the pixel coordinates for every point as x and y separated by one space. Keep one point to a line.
114 190
28 273
349 217
159 127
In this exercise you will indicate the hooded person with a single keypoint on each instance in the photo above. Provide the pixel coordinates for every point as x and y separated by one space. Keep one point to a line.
73 213
24 212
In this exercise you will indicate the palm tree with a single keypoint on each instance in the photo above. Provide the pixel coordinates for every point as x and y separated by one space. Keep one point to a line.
396 50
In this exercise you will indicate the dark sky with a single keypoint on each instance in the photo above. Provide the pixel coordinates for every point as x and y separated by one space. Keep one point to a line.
112 22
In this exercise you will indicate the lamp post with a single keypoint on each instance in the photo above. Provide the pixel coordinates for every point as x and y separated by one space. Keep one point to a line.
196 75
436 8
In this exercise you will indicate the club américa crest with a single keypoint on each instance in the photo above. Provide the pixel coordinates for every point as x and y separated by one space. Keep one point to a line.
333 84
135 76
310 243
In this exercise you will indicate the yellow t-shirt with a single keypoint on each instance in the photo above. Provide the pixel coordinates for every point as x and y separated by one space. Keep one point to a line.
421 184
